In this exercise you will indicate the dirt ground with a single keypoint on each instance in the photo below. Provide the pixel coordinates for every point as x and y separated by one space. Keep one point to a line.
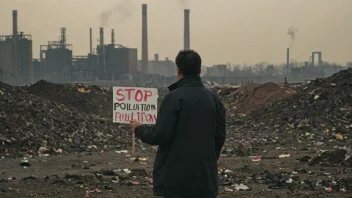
74 175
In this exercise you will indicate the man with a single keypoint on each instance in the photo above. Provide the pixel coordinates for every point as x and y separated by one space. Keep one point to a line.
190 132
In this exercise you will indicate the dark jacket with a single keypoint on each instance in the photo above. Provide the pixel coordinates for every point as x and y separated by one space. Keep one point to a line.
190 131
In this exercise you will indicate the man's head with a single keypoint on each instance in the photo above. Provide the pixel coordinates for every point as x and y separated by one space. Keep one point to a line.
188 63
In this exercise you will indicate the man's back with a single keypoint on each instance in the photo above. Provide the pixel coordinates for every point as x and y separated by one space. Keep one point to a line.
190 132
186 161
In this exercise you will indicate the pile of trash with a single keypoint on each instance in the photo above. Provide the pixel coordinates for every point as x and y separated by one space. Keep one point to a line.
317 118
246 98
85 99
242 180
30 123
324 107
338 157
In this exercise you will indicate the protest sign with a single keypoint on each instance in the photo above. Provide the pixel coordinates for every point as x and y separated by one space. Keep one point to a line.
134 103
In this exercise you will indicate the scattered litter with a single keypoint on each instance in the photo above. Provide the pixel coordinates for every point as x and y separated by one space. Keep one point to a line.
228 189
121 151
339 136
25 163
256 158
241 187
95 191
284 156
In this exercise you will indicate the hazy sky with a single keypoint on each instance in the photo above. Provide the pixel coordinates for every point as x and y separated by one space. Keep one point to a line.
222 31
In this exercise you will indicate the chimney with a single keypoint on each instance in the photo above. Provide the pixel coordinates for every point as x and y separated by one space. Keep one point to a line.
63 37
112 37
101 36
15 42
288 60
187 44
90 41
145 68
156 57
14 22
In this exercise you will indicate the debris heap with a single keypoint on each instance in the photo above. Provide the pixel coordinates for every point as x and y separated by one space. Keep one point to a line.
85 99
246 98
29 122
317 118
323 106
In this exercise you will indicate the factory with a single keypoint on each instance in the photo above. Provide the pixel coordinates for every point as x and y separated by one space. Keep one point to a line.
16 55
107 61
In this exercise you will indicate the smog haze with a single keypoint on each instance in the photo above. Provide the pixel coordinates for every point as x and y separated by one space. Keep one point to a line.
236 31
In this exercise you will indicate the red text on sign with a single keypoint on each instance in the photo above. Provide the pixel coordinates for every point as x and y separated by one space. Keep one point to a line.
137 95
140 116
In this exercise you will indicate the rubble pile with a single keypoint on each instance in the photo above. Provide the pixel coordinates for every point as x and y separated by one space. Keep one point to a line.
324 106
339 157
246 98
85 99
29 123
317 118
282 180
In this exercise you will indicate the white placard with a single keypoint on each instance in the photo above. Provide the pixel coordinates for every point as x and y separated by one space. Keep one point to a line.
135 103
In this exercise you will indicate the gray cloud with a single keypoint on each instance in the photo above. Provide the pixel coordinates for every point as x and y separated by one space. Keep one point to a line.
119 13
292 33
183 3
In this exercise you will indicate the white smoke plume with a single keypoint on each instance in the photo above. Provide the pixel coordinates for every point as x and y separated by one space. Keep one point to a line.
184 4
120 12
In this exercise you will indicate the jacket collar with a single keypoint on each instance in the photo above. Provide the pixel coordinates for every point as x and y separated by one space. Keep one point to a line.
187 81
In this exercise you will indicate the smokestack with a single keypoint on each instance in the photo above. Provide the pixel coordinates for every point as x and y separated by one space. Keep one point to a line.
101 36
90 41
63 37
112 37
14 22
145 68
288 60
15 42
187 42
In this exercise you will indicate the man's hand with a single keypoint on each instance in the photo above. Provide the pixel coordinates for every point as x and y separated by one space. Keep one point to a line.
135 124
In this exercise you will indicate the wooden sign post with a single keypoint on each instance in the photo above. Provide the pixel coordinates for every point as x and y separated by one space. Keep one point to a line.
133 143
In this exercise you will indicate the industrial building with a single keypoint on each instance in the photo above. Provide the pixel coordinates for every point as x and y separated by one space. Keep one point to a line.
106 62
166 68
121 61
114 61
110 63
16 55
56 58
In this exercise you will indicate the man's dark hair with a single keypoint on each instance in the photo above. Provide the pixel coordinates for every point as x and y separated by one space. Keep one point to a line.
189 62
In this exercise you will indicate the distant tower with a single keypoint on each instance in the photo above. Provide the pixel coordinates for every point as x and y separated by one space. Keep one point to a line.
145 67
63 37
187 41
112 37
101 37
90 41
16 68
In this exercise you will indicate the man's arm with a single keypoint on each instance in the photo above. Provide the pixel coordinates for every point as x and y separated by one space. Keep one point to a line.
163 131
220 134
